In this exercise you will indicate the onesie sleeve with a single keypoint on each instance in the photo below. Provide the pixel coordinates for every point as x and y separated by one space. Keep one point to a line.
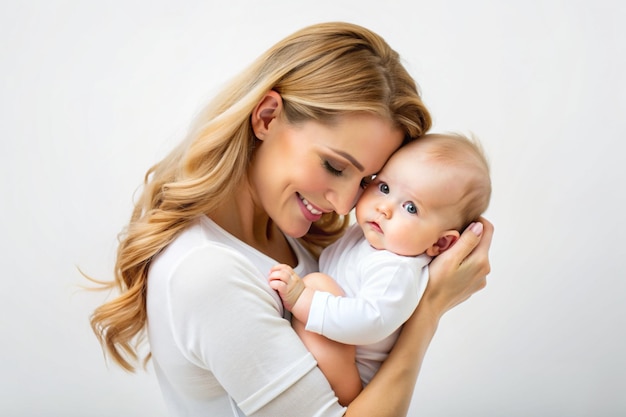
227 322
389 293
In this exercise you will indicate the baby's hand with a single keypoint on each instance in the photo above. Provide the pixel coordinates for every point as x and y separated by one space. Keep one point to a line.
288 284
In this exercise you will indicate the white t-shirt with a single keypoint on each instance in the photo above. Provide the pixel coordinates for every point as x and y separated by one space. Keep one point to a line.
382 290
219 342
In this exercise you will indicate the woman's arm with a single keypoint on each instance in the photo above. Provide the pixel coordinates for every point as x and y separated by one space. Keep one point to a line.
217 327
454 276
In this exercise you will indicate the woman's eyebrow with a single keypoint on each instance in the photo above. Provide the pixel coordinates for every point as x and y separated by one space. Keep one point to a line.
350 158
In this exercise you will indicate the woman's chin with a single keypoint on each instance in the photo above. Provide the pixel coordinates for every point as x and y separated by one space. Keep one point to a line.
296 231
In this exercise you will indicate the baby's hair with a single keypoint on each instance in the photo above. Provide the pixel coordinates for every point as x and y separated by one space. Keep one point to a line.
464 152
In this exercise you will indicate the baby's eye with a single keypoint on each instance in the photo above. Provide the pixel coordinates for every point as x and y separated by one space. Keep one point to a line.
384 188
410 207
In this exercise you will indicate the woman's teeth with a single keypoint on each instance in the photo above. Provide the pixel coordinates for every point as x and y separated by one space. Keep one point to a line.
310 207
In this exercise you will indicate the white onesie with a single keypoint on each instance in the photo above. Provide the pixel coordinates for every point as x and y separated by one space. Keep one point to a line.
382 291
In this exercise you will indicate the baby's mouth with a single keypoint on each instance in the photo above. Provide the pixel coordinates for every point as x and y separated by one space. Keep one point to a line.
376 227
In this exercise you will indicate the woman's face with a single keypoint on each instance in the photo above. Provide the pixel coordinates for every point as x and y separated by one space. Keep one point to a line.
301 171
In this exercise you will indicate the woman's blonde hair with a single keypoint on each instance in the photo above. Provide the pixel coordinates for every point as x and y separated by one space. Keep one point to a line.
322 72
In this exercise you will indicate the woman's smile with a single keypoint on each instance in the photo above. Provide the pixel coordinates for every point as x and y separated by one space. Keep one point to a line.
322 165
311 213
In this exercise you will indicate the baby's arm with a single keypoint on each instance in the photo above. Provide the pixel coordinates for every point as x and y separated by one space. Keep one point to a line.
335 359
295 295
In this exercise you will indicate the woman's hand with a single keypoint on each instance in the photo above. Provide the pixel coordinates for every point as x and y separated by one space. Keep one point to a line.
460 271
455 275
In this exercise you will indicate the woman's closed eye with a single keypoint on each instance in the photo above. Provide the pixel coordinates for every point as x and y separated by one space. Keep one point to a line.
328 166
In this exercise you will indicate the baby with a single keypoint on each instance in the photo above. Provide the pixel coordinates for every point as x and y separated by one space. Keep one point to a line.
427 193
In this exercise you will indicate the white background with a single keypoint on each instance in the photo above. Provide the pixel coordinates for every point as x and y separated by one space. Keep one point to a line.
93 92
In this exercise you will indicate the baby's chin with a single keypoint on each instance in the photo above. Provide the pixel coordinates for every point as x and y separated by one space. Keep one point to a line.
379 246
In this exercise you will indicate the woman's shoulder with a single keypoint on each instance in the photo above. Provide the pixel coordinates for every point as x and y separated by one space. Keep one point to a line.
198 237
198 251
201 261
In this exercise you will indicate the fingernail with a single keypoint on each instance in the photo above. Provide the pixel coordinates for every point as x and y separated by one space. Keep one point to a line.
477 228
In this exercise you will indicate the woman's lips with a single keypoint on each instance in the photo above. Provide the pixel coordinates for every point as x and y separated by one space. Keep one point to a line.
310 212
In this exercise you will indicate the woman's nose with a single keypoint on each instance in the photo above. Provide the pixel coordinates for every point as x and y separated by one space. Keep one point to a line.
344 199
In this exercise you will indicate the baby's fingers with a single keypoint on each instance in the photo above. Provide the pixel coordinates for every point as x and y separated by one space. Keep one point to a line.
280 275
281 267
277 284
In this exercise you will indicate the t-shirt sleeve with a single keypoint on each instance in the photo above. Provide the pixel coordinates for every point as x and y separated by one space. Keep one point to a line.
226 321
388 296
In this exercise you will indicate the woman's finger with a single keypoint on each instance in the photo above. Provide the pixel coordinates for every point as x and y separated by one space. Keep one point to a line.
480 255
469 239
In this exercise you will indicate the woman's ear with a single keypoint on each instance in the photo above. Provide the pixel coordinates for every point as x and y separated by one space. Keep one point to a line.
445 241
266 110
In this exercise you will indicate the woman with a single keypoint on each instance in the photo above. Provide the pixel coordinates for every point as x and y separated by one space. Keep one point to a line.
268 174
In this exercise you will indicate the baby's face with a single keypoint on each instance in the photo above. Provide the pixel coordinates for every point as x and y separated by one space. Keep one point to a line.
409 204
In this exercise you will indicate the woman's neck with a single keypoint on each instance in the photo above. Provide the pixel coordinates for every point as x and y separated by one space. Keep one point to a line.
241 216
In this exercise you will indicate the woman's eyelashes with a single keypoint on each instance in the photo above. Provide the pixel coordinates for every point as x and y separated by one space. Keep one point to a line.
365 181
332 169
338 172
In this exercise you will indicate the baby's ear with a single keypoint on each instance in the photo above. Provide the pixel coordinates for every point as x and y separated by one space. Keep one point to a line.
445 241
